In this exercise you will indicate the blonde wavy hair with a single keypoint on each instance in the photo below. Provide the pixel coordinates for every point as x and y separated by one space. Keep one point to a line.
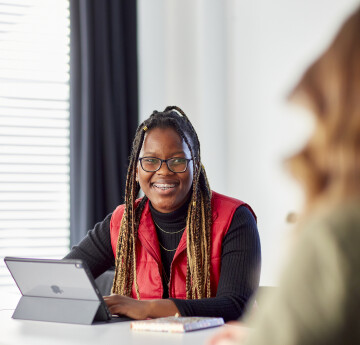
329 164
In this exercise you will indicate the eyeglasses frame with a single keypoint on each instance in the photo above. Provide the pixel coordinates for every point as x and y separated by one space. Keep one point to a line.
166 161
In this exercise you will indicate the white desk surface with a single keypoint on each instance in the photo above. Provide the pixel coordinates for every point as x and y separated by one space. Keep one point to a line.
15 332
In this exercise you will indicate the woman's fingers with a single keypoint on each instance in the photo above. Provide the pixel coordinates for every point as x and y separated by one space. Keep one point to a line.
127 306
113 299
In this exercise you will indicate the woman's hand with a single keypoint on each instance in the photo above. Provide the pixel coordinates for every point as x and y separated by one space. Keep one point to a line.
127 306
233 333
140 310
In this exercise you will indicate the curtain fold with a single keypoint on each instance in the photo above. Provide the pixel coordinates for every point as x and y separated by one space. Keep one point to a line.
103 107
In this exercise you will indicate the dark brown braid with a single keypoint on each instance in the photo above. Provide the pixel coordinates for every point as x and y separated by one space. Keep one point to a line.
199 216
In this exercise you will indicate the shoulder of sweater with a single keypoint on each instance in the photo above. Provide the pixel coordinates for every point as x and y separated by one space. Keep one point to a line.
341 222
224 200
217 197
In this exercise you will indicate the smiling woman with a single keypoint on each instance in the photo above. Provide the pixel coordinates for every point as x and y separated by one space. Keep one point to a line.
182 248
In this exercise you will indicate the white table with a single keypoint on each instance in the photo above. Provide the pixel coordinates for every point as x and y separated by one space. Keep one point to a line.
15 332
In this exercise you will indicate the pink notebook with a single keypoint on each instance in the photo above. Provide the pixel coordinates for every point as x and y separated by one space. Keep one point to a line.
176 324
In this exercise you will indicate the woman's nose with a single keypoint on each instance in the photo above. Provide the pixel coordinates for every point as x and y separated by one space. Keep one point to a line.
164 169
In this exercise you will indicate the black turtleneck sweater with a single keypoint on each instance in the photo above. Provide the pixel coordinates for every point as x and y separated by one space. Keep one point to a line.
169 228
240 260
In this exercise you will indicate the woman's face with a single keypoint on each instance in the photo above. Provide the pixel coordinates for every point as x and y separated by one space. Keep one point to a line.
166 190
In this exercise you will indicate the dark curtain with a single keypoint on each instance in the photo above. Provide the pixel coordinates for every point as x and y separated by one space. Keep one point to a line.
103 107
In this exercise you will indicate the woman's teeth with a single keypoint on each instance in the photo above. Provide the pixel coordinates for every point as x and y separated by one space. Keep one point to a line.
164 186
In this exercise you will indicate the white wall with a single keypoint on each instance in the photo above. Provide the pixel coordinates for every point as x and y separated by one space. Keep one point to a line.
180 65
229 64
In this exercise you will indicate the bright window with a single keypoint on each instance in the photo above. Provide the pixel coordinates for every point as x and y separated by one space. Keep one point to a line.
34 130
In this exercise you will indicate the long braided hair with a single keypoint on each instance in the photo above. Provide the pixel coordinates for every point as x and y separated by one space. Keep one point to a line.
198 223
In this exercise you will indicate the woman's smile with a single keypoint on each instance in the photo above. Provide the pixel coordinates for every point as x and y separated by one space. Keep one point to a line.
165 186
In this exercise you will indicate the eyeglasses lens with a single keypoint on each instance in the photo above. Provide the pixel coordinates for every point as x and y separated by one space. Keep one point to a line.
174 164
150 164
177 164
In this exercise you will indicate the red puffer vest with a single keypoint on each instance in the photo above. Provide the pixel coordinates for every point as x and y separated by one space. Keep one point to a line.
148 259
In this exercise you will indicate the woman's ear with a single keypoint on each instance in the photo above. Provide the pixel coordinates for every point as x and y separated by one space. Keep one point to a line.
137 175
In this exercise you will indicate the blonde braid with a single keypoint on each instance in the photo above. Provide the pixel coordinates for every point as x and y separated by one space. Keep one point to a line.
125 262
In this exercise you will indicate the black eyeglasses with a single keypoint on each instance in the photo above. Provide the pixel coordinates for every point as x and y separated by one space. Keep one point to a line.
176 165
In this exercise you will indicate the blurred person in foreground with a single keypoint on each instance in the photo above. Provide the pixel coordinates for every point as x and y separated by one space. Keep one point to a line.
318 297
